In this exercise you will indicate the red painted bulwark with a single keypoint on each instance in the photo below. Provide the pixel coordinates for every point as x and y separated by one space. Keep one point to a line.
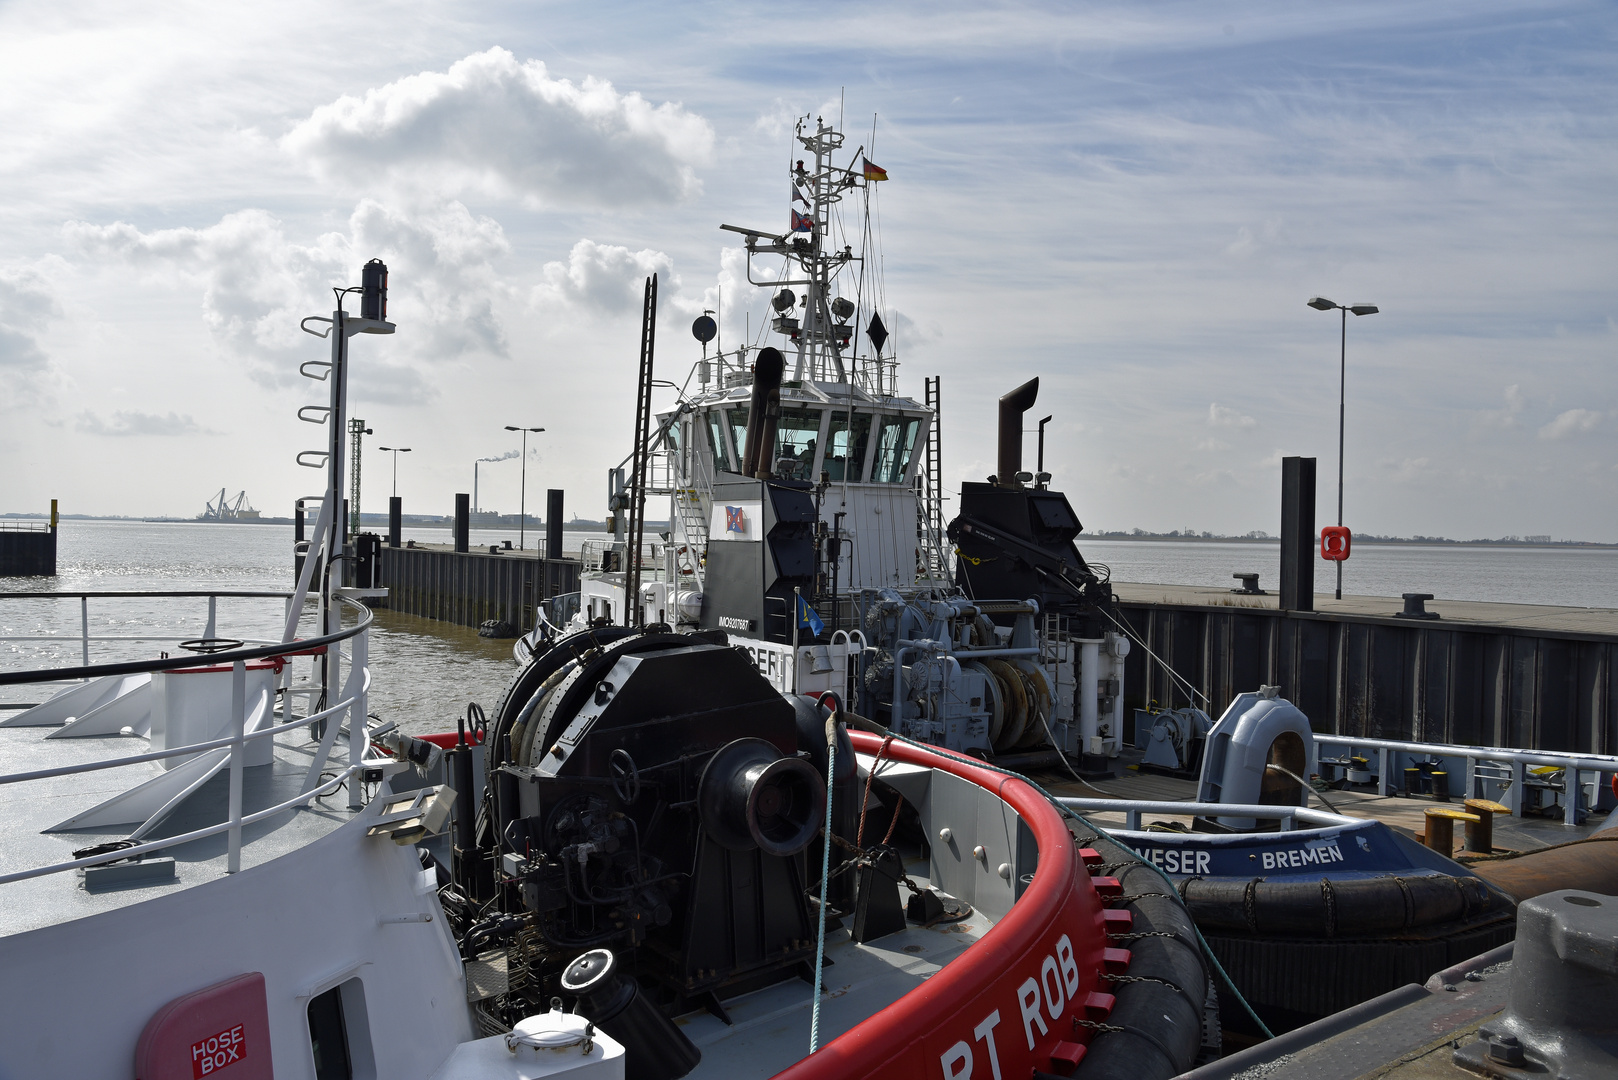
222 1031
1006 1007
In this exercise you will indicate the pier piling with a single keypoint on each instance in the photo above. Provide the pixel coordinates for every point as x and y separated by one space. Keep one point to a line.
553 523
463 522
1297 534
395 521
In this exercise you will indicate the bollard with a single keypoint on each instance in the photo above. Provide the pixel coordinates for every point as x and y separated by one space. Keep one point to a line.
1440 782
1412 781
1441 828
1480 834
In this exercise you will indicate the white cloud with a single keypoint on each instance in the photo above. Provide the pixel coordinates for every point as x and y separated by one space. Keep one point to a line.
494 125
1224 416
1507 417
1572 422
139 423
258 284
27 304
606 278
1404 470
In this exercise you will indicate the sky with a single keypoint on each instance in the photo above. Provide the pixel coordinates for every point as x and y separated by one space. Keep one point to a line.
1132 202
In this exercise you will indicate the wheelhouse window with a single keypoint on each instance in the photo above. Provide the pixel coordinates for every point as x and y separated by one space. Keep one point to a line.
797 434
738 431
894 447
716 441
845 452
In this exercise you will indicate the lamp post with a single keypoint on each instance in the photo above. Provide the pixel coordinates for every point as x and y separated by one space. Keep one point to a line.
1320 303
522 501
395 451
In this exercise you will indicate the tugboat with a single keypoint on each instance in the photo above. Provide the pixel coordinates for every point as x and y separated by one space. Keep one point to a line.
806 520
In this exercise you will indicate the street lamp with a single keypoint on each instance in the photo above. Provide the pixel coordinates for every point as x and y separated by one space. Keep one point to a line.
1320 303
395 451
522 502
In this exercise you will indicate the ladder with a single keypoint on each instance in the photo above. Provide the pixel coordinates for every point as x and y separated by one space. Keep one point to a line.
692 491
930 527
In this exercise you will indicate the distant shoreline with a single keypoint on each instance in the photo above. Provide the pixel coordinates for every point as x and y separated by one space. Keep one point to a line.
1381 541
583 525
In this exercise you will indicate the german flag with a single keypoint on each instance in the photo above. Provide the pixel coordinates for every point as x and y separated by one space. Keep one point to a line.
872 170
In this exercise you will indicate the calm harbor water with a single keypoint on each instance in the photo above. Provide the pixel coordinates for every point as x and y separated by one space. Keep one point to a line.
426 672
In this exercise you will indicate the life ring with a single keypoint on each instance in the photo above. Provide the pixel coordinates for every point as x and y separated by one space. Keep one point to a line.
684 562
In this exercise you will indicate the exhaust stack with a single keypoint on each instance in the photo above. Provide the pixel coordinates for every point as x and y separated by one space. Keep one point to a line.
763 414
1012 406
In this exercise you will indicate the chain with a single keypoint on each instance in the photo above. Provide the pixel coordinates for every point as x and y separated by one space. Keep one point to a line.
1095 1026
1143 934
1130 898
1141 979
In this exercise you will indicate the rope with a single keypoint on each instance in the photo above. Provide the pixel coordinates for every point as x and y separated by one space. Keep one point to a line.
825 864
870 777
893 821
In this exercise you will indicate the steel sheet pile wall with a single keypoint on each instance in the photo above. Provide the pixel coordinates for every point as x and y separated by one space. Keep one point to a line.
27 551
470 588
1384 678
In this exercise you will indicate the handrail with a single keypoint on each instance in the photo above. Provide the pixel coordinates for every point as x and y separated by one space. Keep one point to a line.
119 594
1584 762
186 838
1133 808
159 755
136 667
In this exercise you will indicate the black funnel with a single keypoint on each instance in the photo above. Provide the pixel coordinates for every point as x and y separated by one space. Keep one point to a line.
1012 406
759 452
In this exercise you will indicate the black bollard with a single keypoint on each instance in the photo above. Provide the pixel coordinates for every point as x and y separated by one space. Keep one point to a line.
463 521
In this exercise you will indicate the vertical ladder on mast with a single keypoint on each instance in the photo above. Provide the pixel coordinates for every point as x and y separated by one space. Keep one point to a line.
932 487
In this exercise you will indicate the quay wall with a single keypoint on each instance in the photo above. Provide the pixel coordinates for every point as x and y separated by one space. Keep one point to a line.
1387 678
469 588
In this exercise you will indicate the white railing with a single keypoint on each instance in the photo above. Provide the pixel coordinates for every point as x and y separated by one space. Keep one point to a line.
1503 767
353 703
1288 816
86 638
